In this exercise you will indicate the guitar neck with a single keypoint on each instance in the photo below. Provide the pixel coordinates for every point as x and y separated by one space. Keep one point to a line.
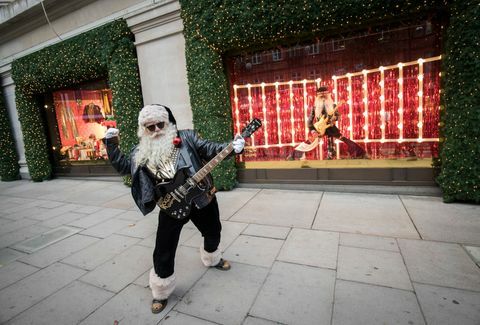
212 163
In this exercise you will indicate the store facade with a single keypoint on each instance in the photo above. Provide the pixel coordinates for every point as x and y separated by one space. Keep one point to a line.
219 67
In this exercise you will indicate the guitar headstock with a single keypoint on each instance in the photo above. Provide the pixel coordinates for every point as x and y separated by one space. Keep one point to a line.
251 127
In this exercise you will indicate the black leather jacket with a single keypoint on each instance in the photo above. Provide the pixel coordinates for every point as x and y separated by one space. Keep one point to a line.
194 152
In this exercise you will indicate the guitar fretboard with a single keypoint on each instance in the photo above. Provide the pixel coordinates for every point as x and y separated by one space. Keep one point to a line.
212 163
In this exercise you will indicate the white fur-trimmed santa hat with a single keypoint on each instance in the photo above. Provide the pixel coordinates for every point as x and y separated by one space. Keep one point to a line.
155 113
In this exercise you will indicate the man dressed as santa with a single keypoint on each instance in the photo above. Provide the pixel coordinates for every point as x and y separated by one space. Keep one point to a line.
153 163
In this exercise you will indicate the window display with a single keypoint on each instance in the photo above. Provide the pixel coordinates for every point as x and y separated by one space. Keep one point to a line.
82 117
384 84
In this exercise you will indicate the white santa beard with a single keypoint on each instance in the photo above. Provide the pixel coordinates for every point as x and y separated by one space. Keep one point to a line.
158 148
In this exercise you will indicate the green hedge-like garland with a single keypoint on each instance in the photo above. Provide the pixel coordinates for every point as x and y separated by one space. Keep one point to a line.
460 175
9 169
212 28
105 52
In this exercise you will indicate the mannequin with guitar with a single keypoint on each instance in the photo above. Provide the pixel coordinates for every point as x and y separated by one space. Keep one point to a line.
168 169
322 122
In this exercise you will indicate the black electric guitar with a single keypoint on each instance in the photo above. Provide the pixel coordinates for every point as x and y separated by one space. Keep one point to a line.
176 197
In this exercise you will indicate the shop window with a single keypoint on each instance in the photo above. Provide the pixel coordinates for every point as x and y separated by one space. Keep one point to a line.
385 81
82 116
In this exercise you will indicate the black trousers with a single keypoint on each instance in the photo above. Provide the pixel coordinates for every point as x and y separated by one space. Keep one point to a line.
207 221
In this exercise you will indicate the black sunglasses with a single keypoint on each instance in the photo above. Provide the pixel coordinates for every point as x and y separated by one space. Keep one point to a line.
159 125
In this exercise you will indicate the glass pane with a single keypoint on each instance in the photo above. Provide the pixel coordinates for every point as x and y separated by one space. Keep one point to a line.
83 117
385 82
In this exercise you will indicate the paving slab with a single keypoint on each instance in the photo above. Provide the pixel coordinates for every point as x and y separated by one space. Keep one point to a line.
372 242
280 208
13 272
357 303
441 264
81 192
16 225
224 297
22 212
117 273
367 214
444 306
373 266
45 239
124 202
96 218
8 255
176 318
453 222
58 251
311 247
140 229
23 294
229 202
69 305
253 250
107 228
267 231
46 214
100 252
28 189
474 253
296 294
130 306
87 209
21 235
63 219
134 215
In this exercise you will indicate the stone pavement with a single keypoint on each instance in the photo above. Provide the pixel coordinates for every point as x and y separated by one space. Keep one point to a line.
79 252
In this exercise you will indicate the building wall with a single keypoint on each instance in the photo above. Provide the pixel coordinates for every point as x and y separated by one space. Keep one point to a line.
160 48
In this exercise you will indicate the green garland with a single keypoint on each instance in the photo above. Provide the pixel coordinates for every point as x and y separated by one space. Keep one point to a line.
9 169
460 175
107 51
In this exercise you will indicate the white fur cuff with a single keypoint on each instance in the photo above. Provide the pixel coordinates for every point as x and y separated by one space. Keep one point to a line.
210 259
161 288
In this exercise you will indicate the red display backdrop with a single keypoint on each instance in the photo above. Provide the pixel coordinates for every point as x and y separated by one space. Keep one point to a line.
392 111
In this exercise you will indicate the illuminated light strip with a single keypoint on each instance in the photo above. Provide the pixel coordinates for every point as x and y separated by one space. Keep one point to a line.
292 120
337 145
400 102
335 89
250 108
382 102
305 107
350 105
277 98
365 104
320 147
420 99
264 109
237 113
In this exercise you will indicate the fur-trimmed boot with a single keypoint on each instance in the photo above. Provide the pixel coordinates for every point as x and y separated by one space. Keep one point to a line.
161 290
214 259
